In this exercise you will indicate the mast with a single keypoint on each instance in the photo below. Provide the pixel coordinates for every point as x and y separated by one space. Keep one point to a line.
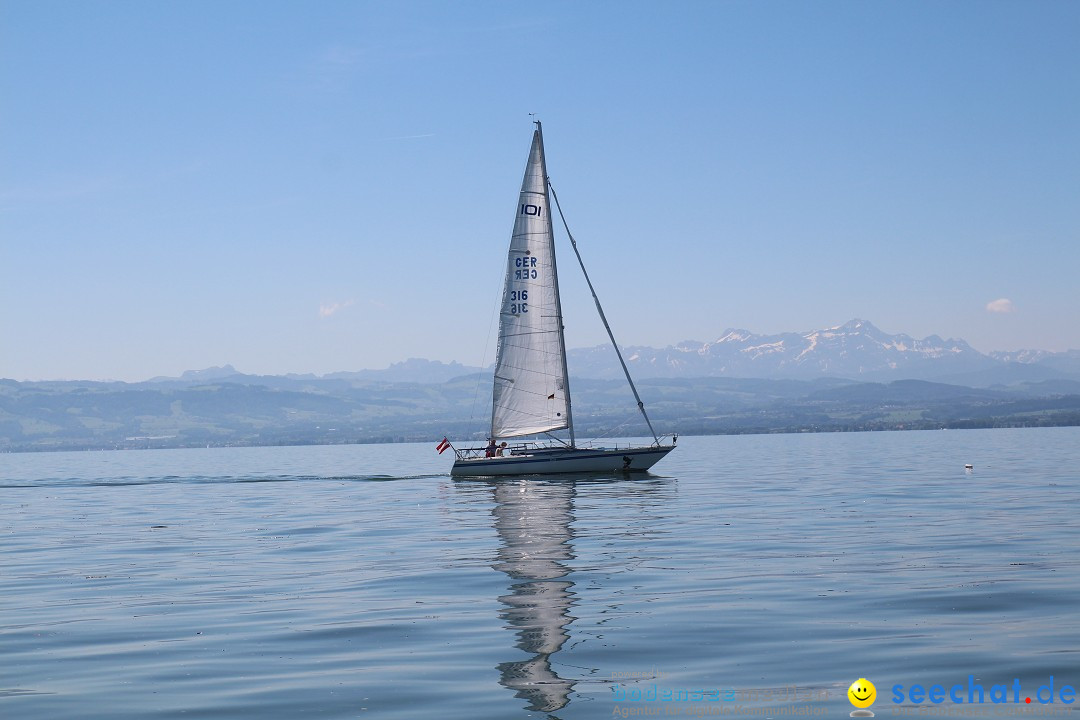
555 277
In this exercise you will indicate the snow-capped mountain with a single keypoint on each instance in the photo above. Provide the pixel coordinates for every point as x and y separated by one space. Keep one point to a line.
856 350
1067 361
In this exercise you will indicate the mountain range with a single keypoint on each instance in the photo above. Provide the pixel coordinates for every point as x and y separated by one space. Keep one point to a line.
856 350
850 377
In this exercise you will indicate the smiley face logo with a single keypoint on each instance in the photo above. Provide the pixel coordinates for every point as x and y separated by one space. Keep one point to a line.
862 693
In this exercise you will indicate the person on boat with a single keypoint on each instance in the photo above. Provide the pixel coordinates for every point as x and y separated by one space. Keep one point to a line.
489 451
501 451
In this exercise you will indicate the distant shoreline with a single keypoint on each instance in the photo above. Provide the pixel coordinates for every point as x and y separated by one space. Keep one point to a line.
1049 422
245 411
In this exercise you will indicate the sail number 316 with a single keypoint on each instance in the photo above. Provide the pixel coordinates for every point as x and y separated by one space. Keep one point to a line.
517 307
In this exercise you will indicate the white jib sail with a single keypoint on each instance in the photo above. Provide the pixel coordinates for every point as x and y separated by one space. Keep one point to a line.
531 393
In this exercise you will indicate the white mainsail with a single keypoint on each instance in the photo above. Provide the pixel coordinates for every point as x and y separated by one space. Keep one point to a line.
531 392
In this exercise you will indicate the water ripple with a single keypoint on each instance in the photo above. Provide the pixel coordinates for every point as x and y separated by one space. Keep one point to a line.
285 582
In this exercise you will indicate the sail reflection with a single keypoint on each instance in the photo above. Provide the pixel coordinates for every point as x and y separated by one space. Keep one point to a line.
533 523
537 526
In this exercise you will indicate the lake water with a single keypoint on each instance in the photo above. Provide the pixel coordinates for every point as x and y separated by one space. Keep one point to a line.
749 576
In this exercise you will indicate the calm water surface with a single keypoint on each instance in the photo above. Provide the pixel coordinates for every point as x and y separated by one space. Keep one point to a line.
356 581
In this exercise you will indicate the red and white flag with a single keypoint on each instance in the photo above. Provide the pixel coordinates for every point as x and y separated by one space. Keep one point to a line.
443 445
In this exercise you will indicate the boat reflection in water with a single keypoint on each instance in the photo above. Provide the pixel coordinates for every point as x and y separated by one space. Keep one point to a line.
533 520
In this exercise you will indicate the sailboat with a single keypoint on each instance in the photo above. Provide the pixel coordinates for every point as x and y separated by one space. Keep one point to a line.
531 394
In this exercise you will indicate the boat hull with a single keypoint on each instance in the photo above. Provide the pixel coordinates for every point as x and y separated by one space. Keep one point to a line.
577 460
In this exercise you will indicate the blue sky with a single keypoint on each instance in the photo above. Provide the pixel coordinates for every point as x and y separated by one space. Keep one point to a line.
311 187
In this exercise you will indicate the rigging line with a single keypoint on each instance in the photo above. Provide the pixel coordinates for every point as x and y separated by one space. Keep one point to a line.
603 318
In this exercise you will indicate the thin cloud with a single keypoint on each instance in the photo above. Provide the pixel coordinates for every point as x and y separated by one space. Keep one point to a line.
1001 305
328 309
340 56
61 188
332 70
409 137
